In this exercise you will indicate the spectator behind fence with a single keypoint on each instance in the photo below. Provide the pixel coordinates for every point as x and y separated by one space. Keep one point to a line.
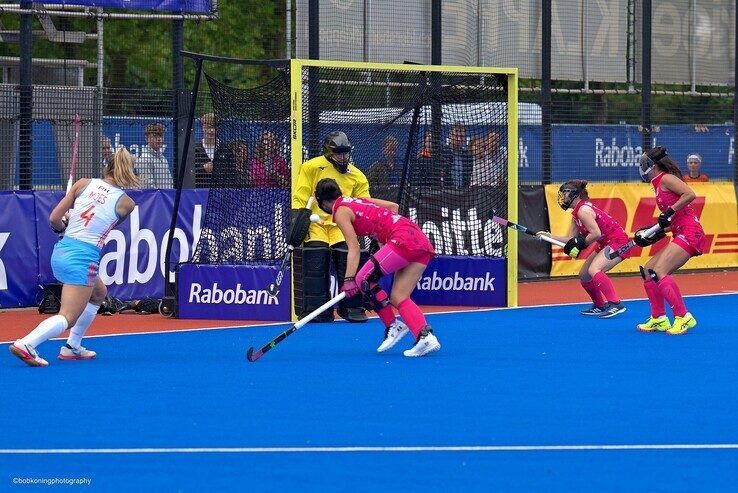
425 172
151 165
457 160
268 169
694 162
106 150
205 151
231 165
488 159
386 172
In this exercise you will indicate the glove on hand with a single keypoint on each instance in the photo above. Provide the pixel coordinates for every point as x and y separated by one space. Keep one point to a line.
575 246
665 218
350 287
643 241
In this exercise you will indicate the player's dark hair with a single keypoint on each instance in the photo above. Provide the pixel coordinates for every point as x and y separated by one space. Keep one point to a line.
327 189
664 163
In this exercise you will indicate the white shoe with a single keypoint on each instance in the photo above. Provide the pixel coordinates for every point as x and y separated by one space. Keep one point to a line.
392 335
27 354
427 343
68 352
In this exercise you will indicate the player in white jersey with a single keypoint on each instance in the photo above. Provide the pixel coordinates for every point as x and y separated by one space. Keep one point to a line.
86 214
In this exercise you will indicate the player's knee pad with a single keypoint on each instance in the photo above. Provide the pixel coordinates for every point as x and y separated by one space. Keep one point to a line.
312 278
375 298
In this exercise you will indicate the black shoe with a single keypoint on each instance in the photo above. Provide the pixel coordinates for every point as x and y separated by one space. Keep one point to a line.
612 309
354 315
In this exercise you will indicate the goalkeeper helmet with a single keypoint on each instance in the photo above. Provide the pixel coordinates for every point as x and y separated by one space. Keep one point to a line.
337 149
648 161
570 191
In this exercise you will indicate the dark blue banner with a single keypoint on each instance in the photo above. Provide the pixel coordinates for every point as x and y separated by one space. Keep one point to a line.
463 281
231 292
189 6
18 254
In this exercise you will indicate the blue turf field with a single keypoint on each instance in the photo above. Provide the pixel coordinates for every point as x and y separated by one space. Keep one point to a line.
531 377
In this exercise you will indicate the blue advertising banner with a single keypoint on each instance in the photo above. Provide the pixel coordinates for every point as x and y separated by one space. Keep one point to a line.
463 281
18 255
132 262
592 152
230 292
190 6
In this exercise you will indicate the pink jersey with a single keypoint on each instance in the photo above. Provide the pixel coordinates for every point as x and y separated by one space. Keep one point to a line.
686 229
385 226
261 172
612 233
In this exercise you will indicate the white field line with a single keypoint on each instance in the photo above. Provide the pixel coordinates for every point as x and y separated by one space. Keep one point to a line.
359 449
450 312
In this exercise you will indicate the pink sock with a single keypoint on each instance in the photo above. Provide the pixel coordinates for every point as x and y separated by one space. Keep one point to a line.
669 289
594 292
655 298
412 316
386 314
604 284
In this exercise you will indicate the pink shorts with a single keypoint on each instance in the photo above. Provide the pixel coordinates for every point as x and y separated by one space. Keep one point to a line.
409 241
690 238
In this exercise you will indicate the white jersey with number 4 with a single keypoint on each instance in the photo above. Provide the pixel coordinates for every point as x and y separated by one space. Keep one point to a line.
93 214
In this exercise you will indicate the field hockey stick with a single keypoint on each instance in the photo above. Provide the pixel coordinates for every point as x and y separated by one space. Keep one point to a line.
252 355
273 288
75 153
611 254
519 227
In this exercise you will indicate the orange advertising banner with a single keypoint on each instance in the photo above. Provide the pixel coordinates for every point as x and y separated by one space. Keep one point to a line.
633 205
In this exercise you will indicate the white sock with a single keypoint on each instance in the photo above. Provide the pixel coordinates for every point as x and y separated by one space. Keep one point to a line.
48 329
83 323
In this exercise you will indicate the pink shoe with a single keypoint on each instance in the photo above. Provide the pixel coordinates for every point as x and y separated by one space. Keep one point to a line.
27 354
68 352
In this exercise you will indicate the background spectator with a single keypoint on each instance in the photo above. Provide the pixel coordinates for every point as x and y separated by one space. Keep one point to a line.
386 172
205 151
268 169
694 162
457 160
151 165
488 159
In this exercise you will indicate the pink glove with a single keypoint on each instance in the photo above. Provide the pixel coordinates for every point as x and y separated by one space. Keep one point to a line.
350 287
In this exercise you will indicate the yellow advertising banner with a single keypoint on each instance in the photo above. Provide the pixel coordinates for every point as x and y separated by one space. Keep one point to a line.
633 205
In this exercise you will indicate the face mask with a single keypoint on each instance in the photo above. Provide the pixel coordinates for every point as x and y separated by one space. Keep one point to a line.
645 167
567 194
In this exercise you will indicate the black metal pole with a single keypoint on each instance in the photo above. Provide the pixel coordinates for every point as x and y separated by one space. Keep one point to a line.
313 79
546 120
436 32
25 89
177 84
168 286
646 75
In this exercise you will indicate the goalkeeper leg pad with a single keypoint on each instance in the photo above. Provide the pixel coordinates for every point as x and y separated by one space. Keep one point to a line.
313 282
350 309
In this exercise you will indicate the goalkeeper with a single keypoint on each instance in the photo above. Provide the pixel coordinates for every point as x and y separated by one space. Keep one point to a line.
324 241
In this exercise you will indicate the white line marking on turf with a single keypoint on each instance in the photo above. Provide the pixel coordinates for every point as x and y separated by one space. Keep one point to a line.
450 312
462 448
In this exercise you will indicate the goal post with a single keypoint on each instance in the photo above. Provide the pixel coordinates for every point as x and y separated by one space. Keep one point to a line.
373 102
441 141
